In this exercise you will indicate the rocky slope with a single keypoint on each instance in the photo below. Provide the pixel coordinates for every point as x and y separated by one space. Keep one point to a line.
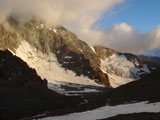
71 53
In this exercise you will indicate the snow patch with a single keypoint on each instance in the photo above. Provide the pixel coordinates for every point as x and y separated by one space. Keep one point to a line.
109 111
54 30
37 27
117 81
80 49
42 26
70 89
58 52
68 57
93 49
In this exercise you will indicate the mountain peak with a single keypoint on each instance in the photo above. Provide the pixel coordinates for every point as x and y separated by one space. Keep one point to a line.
71 52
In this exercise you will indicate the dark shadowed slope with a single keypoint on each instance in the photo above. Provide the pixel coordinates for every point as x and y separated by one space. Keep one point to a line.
23 93
136 116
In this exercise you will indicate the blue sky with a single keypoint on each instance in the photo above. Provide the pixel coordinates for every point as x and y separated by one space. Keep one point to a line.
142 15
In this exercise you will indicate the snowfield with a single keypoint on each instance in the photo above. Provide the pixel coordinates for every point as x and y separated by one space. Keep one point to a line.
93 49
120 70
48 68
109 111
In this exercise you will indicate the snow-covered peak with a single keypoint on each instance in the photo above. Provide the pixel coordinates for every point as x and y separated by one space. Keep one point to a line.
121 71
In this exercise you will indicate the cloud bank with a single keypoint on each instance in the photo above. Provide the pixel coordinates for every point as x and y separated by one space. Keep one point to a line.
123 38
68 12
79 16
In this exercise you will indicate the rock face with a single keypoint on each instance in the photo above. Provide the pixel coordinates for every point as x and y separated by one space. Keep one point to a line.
72 53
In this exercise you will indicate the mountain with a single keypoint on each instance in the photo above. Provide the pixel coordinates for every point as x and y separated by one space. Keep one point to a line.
59 56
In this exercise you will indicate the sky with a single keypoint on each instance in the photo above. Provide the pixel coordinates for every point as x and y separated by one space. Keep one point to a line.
142 15
124 25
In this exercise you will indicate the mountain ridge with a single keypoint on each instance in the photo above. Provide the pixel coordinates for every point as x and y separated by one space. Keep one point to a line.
73 54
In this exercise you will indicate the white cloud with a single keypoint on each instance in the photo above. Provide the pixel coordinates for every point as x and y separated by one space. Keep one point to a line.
79 16
122 27
76 15
123 38
68 12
